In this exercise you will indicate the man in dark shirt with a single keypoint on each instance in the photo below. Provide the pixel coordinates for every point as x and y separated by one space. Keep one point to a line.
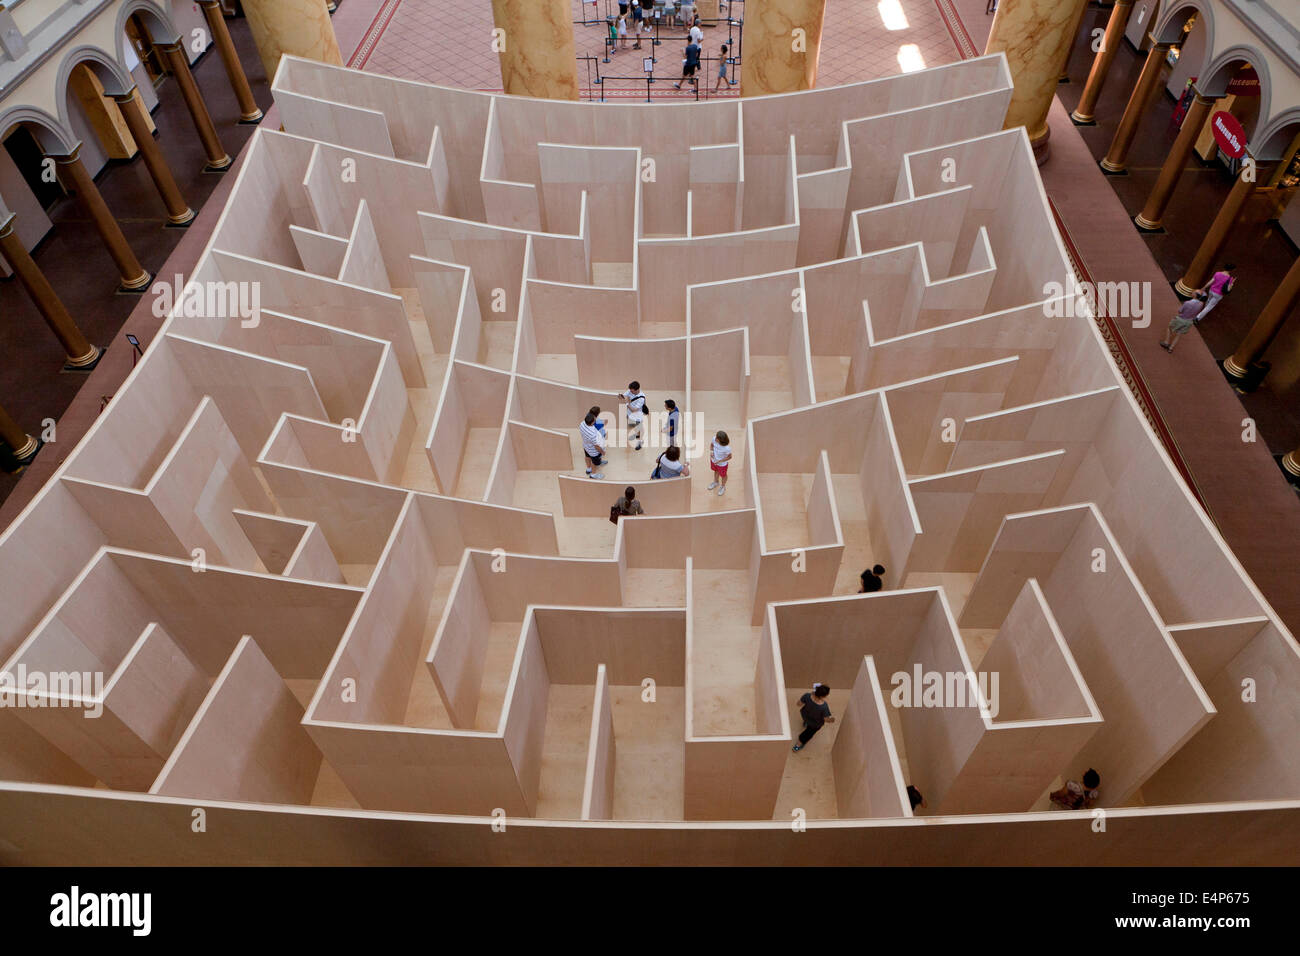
691 65
815 713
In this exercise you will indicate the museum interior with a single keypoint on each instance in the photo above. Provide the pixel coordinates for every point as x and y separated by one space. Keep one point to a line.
371 372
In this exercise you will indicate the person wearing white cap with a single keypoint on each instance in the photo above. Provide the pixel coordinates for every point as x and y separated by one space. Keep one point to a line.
815 713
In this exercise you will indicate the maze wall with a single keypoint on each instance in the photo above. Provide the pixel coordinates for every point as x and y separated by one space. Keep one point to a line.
352 596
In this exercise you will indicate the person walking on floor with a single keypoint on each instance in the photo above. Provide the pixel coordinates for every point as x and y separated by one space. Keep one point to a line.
673 424
873 580
625 507
593 445
1184 320
688 16
722 69
719 459
1074 796
815 713
690 65
635 400
1220 284
628 505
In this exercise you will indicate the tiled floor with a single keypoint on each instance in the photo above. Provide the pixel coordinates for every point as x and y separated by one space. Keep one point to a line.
451 44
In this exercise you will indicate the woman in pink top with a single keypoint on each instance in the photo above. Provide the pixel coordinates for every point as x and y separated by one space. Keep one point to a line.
1220 284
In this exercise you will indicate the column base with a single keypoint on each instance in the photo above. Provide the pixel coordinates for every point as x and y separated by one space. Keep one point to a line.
14 461
1040 146
1290 463
1184 290
218 166
135 286
1146 225
1078 119
181 221
29 450
1234 370
251 119
1113 169
1245 381
86 362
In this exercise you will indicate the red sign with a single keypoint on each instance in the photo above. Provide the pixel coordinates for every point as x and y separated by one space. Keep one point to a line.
1228 134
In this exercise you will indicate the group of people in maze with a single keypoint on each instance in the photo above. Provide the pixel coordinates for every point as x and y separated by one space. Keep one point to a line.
670 463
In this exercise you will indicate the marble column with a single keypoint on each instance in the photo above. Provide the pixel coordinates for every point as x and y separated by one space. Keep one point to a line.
179 64
782 41
179 212
248 109
1110 44
134 276
1172 170
1269 323
297 27
1117 156
1069 50
1217 236
536 48
81 354
22 445
1036 36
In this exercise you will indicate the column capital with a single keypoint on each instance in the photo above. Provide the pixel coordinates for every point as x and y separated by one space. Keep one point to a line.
7 224
67 159
123 98
170 46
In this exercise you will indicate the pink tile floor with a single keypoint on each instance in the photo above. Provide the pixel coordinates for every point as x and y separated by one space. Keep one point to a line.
449 42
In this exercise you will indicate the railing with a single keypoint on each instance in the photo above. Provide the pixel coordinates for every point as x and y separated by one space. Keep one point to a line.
600 85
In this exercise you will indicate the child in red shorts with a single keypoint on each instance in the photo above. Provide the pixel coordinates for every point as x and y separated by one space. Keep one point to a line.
719 459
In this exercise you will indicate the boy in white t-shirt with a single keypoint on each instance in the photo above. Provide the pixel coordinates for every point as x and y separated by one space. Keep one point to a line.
593 444
635 412
719 459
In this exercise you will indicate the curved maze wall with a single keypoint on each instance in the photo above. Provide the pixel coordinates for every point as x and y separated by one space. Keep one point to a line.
351 593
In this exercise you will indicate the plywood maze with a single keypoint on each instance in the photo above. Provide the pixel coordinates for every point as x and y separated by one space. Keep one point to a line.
334 552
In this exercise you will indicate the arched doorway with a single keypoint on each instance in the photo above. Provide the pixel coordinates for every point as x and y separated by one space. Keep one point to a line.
28 185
